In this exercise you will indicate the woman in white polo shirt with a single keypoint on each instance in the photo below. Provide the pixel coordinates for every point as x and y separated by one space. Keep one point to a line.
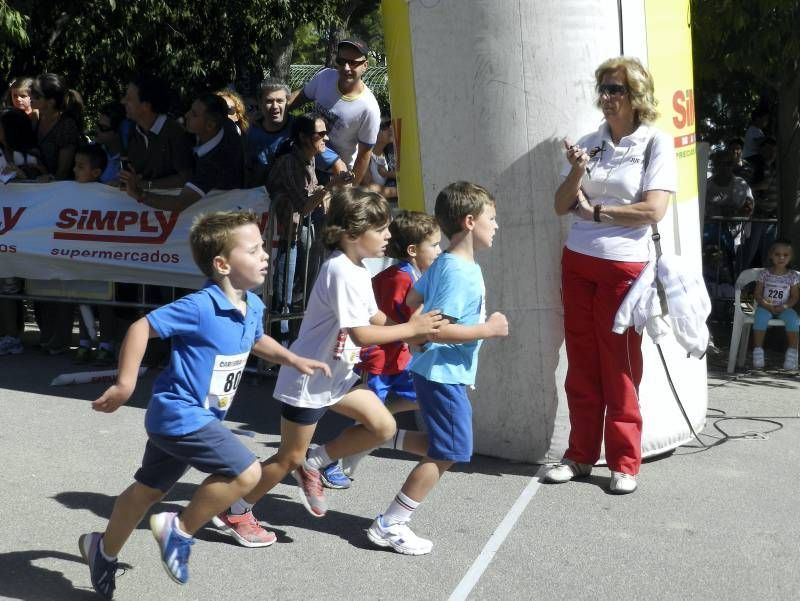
617 183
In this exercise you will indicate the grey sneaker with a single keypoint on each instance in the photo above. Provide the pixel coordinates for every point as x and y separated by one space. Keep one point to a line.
790 361
566 471
622 483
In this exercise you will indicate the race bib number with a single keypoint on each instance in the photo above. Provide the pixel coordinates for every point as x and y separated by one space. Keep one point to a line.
777 295
225 378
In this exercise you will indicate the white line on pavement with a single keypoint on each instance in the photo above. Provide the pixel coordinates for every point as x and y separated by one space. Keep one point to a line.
491 547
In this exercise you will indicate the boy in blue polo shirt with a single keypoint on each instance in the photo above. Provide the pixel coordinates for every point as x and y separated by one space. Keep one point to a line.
454 284
213 331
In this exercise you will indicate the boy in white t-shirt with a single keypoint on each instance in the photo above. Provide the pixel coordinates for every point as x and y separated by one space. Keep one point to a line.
341 317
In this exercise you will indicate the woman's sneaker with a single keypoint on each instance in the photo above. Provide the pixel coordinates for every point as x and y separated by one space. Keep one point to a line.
790 362
622 483
758 358
175 549
399 537
102 571
244 529
566 471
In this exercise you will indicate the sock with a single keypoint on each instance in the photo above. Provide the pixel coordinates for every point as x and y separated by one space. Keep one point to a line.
103 552
177 527
396 441
240 507
317 458
400 510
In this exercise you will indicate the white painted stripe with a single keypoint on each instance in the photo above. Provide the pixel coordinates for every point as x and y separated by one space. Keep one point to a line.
491 547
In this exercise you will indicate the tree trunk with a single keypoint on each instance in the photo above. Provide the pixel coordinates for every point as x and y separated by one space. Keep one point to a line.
281 50
789 159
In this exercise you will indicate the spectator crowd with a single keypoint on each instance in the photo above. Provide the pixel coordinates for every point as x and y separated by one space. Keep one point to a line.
139 145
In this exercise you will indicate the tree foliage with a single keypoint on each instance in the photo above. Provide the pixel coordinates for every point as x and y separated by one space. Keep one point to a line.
193 44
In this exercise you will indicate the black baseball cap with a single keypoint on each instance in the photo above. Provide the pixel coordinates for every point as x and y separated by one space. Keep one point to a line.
355 43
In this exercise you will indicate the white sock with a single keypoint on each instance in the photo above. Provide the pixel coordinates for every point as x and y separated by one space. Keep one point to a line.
240 507
396 441
103 552
318 458
400 510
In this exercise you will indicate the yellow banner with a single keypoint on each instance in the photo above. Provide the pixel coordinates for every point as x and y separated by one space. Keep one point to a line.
402 95
669 56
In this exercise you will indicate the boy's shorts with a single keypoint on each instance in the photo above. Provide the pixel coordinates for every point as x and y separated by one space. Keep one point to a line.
399 384
213 449
447 414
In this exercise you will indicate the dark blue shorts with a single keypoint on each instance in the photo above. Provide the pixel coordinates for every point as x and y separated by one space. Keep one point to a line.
302 415
447 414
213 449
398 384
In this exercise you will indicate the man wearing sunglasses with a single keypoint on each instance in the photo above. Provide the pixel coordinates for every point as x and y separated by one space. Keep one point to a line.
350 108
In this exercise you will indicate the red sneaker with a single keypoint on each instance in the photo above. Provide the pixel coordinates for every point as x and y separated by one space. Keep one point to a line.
244 529
312 494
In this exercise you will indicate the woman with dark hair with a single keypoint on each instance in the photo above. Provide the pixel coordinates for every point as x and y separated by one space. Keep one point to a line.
294 191
58 130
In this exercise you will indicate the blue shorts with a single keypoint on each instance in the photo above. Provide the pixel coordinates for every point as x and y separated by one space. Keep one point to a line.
787 316
447 414
304 416
399 384
213 449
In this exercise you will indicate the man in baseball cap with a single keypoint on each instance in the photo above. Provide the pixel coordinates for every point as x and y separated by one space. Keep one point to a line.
350 107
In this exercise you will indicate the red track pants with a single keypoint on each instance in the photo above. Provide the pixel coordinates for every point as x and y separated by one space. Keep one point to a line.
605 369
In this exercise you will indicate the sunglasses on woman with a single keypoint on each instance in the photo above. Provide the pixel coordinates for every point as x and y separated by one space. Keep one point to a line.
611 89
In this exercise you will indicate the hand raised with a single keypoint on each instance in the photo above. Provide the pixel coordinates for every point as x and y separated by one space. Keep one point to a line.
498 325
576 155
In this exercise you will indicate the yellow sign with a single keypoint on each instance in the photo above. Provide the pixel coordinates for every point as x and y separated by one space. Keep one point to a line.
397 38
669 57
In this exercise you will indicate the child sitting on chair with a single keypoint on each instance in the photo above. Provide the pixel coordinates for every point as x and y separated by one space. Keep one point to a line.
777 291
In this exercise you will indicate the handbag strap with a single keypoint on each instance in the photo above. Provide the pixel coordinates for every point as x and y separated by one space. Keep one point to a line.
655 236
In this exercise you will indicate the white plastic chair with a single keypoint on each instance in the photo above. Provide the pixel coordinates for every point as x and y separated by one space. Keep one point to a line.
743 320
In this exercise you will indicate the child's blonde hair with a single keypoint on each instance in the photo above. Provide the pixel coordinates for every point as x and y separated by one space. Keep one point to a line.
352 212
212 236
407 228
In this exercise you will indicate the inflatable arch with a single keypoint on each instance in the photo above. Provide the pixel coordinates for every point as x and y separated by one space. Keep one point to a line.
485 90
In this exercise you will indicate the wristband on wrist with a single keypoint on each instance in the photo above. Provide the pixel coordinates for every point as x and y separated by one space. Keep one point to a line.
597 213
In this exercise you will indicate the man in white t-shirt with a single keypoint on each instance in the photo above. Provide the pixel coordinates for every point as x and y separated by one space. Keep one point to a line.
350 107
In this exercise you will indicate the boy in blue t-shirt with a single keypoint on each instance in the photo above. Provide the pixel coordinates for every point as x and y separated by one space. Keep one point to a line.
454 285
213 331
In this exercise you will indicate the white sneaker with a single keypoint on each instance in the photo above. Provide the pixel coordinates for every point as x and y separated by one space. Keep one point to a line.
790 362
566 471
622 483
758 358
399 537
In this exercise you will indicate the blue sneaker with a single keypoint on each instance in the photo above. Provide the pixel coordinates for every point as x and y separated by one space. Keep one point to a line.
175 549
102 571
333 476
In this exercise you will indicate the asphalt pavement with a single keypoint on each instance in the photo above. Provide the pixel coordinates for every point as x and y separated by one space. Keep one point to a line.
710 523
